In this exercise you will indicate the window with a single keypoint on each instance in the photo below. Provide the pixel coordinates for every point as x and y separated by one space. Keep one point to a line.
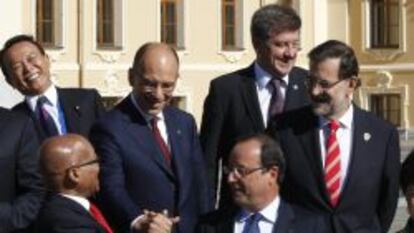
387 106
109 24
228 27
172 23
49 23
385 24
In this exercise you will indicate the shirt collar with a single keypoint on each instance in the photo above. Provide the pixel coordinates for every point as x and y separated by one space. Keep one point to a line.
147 117
78 199
50 94
263 77
269 213
345 121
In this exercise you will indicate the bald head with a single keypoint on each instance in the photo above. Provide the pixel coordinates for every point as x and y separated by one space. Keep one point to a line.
153 76
64 160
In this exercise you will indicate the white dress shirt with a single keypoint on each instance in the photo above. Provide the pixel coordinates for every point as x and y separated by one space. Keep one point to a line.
269 217
51 106
344 137
80 200
264 92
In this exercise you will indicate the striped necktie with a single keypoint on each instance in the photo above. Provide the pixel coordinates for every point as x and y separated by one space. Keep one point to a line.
333 164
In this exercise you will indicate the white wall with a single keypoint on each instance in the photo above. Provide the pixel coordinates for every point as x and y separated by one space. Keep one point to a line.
10 24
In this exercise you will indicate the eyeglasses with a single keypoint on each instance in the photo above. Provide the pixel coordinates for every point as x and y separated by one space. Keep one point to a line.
324 84
87 163
284 45
240 171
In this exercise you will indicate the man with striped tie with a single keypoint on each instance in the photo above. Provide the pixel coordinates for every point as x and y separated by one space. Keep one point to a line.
343 162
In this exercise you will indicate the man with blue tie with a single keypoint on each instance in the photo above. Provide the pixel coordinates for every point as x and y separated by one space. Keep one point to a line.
55 110
254 174
150 152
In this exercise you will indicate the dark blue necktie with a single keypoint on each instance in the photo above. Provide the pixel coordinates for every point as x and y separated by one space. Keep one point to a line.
252 224
45 119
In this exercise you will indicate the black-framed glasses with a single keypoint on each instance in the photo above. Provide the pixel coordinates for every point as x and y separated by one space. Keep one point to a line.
87 163
324 84
240 171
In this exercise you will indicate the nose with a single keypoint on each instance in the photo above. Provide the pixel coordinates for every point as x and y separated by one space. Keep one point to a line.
28 66
231 178
315 89
290 51
158 92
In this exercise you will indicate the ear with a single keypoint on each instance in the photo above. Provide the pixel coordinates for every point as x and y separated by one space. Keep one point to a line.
73 175
131 77
354 82
274 172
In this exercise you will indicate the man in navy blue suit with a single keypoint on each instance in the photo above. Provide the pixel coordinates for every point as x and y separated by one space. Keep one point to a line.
150 152
342 162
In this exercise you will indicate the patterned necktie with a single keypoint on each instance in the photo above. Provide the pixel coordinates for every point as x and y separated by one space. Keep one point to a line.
277 101
160 141
333 164
45 119
98 216
252 224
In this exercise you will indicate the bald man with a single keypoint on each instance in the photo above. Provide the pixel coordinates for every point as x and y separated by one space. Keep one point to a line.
70 169
150 152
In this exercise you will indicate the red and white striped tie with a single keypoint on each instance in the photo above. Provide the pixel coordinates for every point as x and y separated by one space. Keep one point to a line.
333 164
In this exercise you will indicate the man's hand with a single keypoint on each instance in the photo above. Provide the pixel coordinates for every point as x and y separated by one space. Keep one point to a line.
153 222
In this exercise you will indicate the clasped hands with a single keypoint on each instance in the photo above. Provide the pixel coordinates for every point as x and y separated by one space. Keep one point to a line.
153 222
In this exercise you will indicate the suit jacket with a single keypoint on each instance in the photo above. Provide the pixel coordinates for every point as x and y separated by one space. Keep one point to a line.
21 192
369 194
81 108
290 219
134 175
63 215
232 110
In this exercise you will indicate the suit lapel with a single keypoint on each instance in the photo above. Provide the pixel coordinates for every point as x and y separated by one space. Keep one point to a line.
71 110
250 97
285 216
141 133
360 149
24 108
295 93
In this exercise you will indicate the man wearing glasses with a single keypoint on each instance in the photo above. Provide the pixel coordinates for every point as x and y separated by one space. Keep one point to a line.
343 162
254 174
242 102
151 155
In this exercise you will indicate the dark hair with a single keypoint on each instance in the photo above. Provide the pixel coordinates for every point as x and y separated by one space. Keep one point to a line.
271 153
12 41
407 172
139 55
273 18
348 66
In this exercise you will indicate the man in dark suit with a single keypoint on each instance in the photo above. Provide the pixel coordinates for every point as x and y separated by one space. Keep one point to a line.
342 162
54 110
70 168
151 156
241 102
21 192
255 172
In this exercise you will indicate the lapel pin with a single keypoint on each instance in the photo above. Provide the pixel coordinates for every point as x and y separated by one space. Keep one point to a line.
77 108
295 87
178 132
367 136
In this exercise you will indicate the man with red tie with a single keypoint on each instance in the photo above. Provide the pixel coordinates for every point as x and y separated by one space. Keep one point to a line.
70 168
342 162
150 152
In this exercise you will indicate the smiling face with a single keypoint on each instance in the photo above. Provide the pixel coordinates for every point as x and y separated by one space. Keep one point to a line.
278 54
333 100
153 82
27 68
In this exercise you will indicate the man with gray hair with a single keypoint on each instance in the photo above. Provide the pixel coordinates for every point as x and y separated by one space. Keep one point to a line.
242 102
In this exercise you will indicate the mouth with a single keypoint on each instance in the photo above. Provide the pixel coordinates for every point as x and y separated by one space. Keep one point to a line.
32 77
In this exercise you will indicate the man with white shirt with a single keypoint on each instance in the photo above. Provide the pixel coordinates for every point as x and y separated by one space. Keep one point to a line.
151 155
254 173
342 162
242 102
55 111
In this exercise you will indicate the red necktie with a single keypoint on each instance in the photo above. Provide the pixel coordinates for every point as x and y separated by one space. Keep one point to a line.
161 143
333 164
98 216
